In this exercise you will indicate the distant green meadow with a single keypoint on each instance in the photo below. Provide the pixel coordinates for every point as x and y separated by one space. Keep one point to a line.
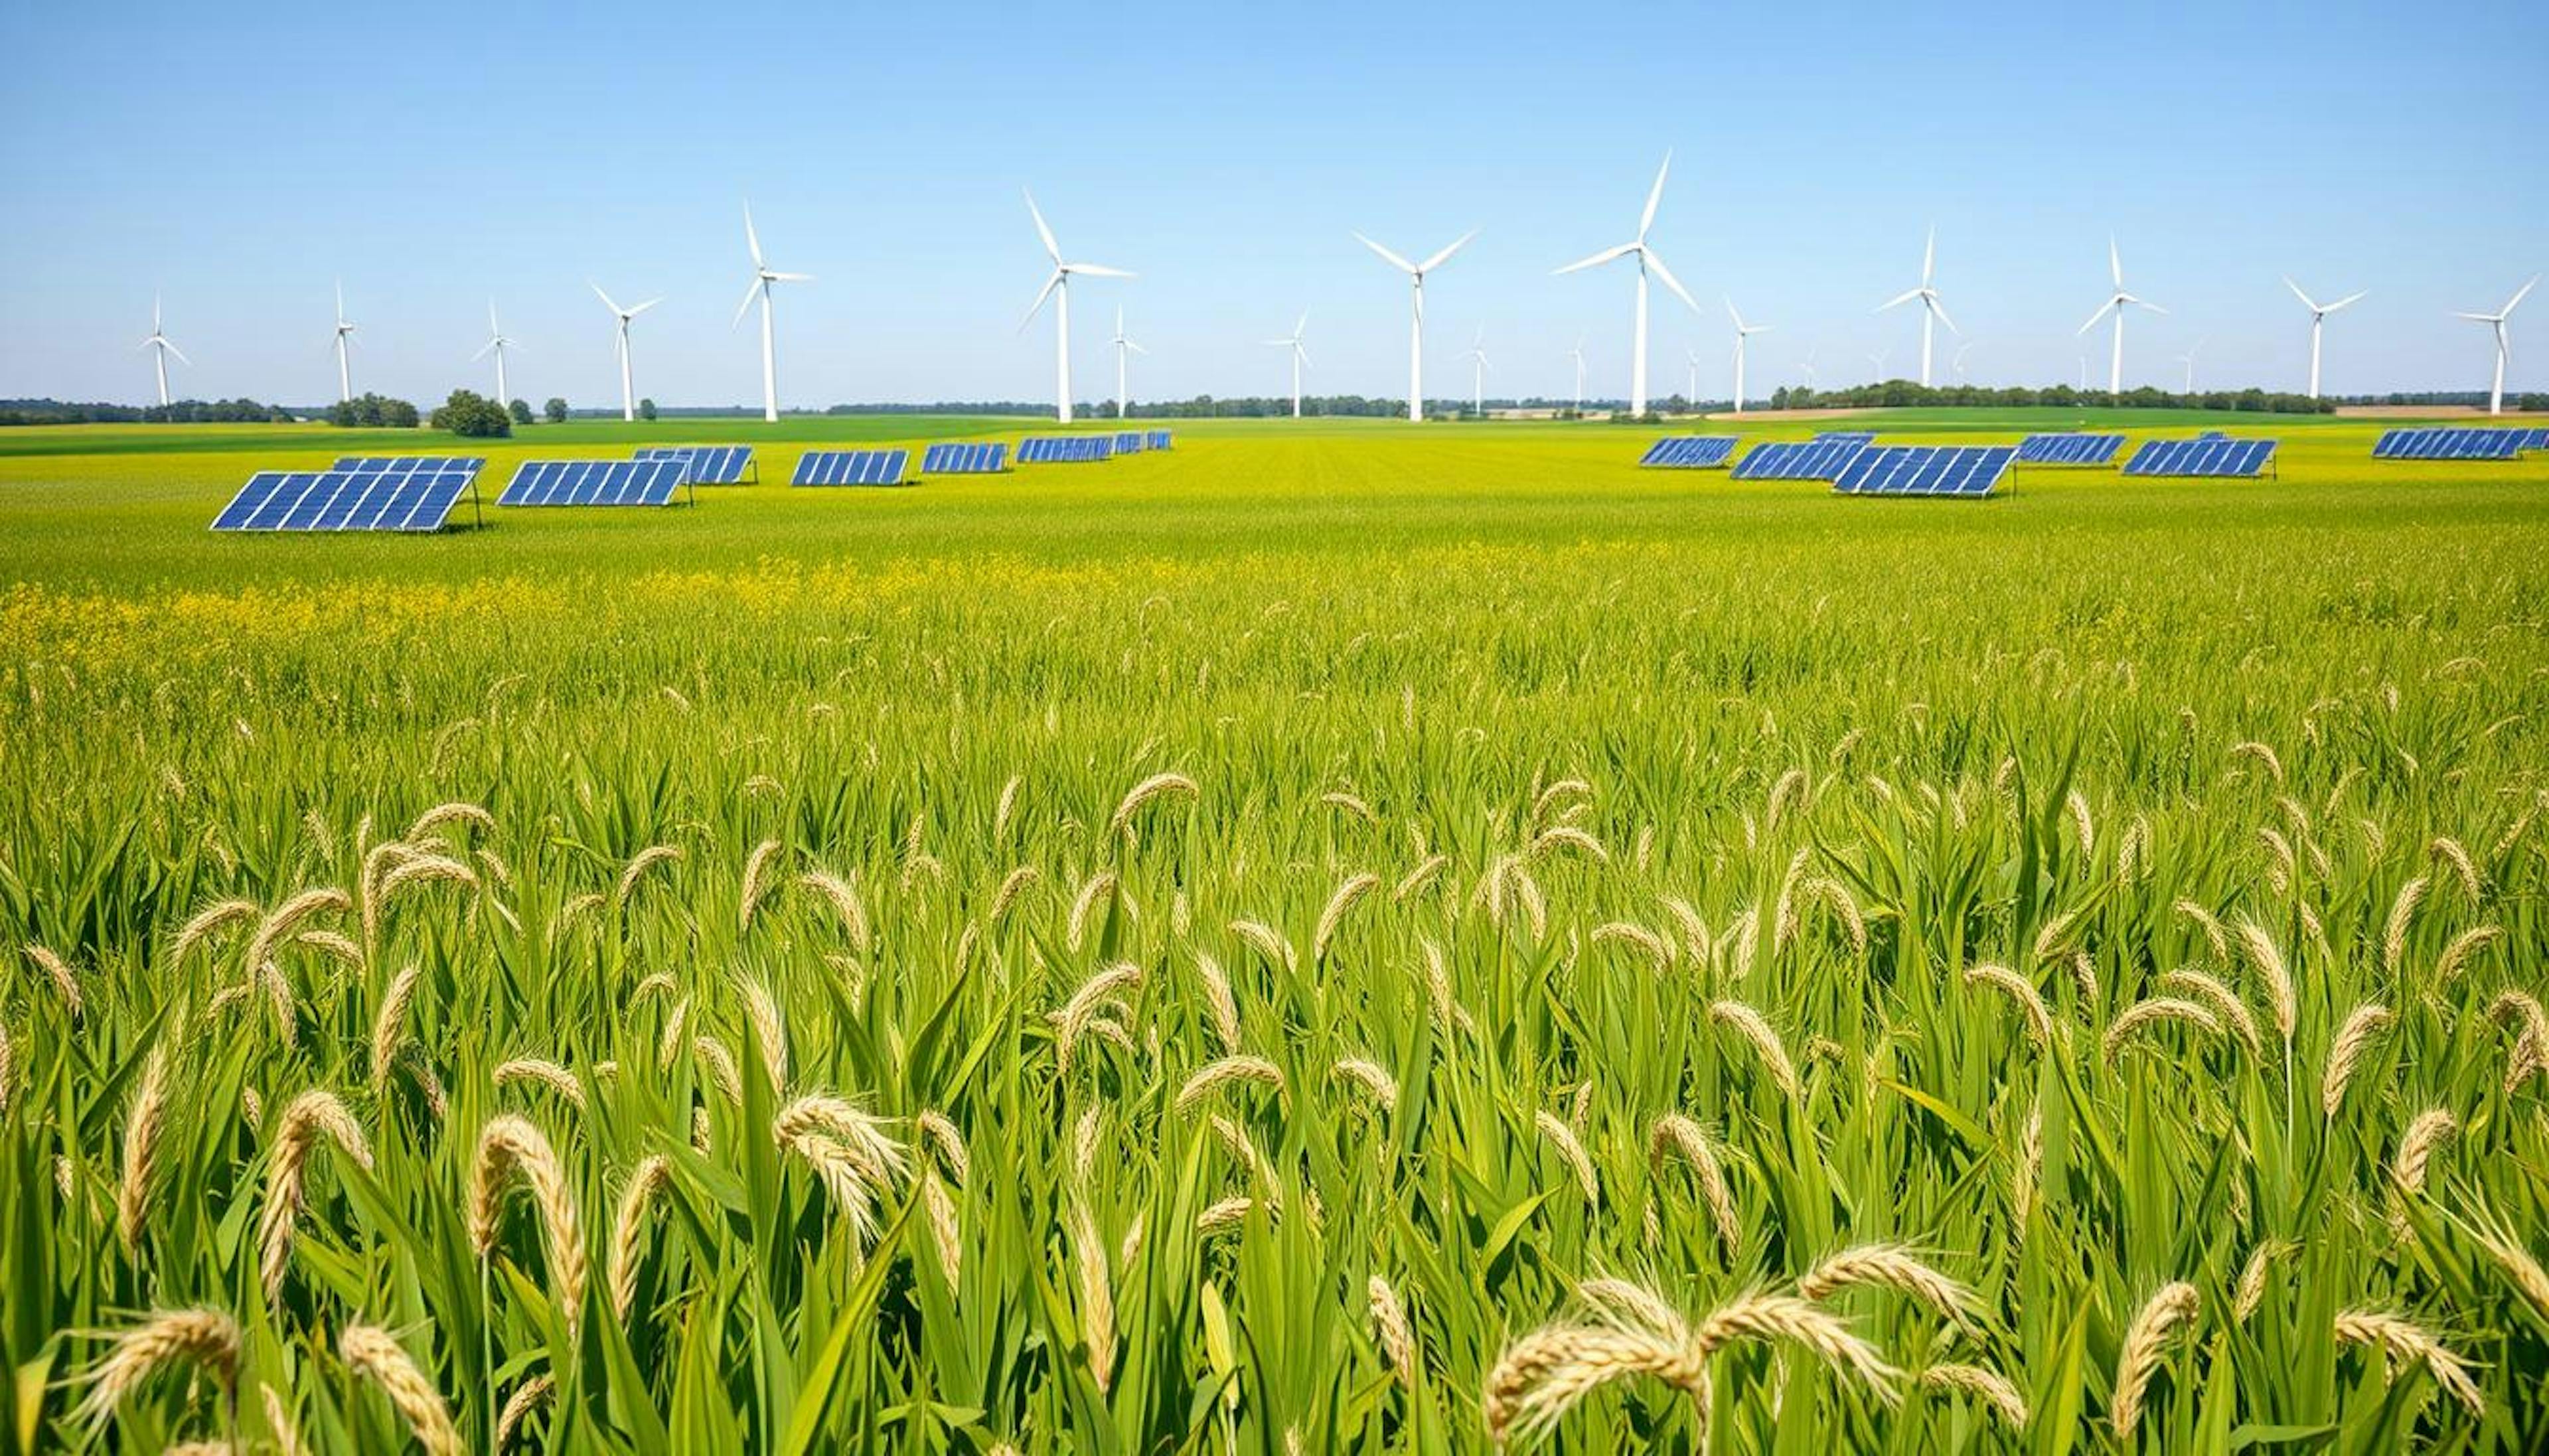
1335 936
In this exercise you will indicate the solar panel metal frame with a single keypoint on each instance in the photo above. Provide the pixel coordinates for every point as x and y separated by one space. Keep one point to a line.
1957 472
410 464
544 483
2070 449
1690 452
412 502
2450 443
965 457
1798 460
710 465
2214 457
861 467
1064 449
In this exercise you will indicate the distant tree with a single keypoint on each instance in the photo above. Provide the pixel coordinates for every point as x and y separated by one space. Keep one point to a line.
645 409
555 409
519 410
373 412
473 417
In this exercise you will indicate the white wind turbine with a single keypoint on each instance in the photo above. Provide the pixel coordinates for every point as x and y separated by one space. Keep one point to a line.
1933 312
2318 315
1058 288
159 341
1123 346
1648 259
1742 331
1477 352
1807 368
1300 357
1957 362
628 383
2188 359
1577 354
1416 327
1692 355
763 275
344 339
1877 358
495 344
2496 321
2117 304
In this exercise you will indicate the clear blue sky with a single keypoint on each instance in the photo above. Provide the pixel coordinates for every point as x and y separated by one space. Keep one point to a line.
241 158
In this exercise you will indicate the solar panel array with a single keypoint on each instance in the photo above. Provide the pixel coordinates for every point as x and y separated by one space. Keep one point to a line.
1159 440
965 459
2069 449
369 499
2215 455
851 467
2536 439
1131 442
1812 460
2455 443
408 464
1862 435
594 483
1063 449
1689 452
706 465
1966 471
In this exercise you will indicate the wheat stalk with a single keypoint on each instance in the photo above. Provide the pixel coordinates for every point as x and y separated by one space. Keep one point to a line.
511 1151
59 972
203 1337
312 1117
145 1119
1096 1294
1373 1077
1219 1001
2418 1145
1989 1387
2402 916
2353 1039
1155 786
628 1230
1571 1153
217 917
756 881
1333 917
548 1074
1756 1029
2173 1309
1678 1134
2252 1278
1889 1266
528 1396
1096 889
849 1150
2224 1002
372 1354
639 864
1229 1069
2267 959
2398 1339
2154 1011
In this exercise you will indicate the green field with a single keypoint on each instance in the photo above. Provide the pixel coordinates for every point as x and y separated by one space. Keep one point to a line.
1622 960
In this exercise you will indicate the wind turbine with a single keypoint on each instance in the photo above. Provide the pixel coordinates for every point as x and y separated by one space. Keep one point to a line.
2496 321
1933 312
1877 358
2117 303
1742 331
1124 345
1648 259
1058 288
2084 371
495 344
344 338
628 387
1958 363
2188 359
763 275
2318 315
1693 357
1300 357
1478 380
1577 354
1807 368
1416 327
158 340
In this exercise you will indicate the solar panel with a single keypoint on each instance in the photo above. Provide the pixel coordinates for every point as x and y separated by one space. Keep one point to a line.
2213 434
1969 472
2536 439
2069 449
851 468
1810 460
594 483
409 464
2449 444
344 500
706 465
1131 442
971 458
2214 456
1861 435
1159 439
1689 452
1064 449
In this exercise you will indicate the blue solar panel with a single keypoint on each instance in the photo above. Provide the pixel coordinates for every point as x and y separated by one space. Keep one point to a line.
1064 449
2215 456
706 465
1812 460
1689 452
594 483
1861 435
1131 442
2449 444
2536 439
1159 439
344 500
970 458
851 468
408 464
1966 471
2069 449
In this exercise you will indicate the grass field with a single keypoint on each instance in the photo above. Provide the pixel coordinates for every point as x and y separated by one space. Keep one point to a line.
1339 935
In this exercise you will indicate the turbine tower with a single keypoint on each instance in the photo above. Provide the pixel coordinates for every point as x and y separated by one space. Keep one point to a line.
1648 259
2496 321
1477 352
2117 304
1877 358
763 275
1693 357
1058 288
627 385
1933 312
1742 331
1807 368
495 344
344 339
2318 315
1416 327
1300 357
159 341
1123 346
2188 359
1577 354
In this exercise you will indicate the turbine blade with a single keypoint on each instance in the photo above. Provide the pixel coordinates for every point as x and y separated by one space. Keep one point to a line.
1135 349
1445 256
482 352
2341 302
606 300
1096 270
790 277
1655 195
1941 309
749 289
1595 261
2114 261
751 239
180 353
2094 318
1042 231
1929 255
1303 354
1049 284
1656 261
2519 295
642 308
1303 326
2478 317
2306 298
1905 297
1394 259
